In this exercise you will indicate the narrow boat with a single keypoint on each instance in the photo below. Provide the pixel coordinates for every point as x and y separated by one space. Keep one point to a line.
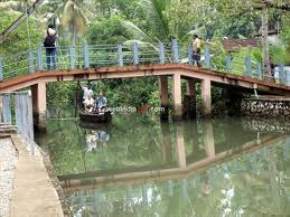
98 117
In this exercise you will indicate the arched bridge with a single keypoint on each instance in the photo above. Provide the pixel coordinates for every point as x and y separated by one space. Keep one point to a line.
92 62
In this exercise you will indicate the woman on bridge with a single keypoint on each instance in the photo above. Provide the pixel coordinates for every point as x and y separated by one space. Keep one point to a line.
49 44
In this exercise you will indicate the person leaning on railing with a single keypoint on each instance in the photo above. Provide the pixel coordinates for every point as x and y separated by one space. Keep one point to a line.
50 47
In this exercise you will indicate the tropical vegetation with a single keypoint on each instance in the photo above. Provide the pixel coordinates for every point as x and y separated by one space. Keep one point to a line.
146 22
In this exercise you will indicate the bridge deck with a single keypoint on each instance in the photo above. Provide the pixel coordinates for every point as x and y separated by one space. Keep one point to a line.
186 71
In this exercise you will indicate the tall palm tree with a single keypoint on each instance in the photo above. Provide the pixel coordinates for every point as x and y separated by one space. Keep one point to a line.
162 21
74 19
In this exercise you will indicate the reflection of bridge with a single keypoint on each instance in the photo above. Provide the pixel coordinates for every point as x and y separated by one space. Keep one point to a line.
112 62
182 168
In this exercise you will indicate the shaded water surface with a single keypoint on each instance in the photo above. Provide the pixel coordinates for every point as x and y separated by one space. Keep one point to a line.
140 167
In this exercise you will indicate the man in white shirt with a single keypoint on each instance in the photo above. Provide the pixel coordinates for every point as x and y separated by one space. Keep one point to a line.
88 99
196 45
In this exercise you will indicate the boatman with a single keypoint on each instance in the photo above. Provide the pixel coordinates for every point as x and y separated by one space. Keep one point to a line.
88 99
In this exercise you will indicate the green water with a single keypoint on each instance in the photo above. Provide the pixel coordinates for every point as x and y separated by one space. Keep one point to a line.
244 168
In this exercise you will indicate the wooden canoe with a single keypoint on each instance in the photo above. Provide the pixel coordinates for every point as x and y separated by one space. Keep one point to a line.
95 117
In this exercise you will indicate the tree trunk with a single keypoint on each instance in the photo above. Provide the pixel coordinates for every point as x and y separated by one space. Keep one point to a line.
265 45
74 35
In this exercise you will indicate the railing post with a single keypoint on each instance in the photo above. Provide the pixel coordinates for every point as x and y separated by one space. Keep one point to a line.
120 55
6 109
175 51
259 70
1 69
17 111
248 66
207 57
287 77
161 53
30 62
86 56
229 64
72 57
282 74
190 54
135 54
30 114
39 58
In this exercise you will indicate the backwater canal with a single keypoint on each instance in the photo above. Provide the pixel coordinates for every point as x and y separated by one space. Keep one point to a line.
139 167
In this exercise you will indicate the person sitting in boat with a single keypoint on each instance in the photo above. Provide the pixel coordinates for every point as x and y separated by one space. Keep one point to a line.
101 102
89 103
87 92
88 99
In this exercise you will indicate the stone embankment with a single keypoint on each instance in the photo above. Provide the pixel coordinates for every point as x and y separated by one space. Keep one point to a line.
26 189
266 106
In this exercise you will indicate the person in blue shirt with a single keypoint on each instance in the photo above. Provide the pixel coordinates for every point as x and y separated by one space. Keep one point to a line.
101 102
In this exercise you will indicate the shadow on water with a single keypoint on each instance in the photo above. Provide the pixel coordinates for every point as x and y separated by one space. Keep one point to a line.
138 166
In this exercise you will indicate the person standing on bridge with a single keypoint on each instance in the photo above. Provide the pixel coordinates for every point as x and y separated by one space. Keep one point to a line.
50 47
196 50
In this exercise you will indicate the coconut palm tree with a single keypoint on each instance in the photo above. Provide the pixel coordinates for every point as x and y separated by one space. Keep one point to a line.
74 19
154 13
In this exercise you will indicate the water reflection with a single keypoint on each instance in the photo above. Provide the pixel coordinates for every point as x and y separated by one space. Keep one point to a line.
228 167
256 184
96 140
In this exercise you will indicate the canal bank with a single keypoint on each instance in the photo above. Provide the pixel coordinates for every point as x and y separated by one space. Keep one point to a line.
27 184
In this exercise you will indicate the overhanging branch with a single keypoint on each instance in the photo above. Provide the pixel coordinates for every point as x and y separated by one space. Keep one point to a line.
14 25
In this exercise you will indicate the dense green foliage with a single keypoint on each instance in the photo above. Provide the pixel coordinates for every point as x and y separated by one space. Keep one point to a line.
18 41
147 22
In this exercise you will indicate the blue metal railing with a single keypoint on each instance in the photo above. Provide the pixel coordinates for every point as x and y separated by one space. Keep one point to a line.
90 56
16 110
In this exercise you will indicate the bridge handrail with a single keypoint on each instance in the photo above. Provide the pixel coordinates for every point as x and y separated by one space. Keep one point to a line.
16 110
87 56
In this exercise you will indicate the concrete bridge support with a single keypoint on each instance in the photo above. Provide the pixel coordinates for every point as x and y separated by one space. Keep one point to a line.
39 105
177 101
206 97
164 97
189 101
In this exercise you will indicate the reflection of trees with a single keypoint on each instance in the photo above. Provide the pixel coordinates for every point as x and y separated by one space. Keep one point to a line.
259 182
255 184
134 142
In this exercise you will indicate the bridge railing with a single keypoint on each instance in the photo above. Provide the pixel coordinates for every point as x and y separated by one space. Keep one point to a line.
16 109
92 56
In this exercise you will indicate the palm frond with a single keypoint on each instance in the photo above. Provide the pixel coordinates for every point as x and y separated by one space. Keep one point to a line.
155 14
142 44
133 29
